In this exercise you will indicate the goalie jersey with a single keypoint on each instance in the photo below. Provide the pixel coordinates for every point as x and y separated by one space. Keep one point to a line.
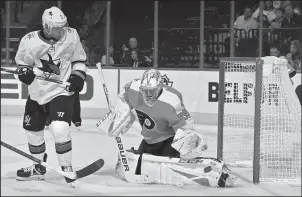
164 118
67 54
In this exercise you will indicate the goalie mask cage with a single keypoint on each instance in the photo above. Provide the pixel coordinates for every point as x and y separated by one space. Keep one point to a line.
259 119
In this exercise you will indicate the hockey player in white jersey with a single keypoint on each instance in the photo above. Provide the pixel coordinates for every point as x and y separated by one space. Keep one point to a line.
168 132
55 52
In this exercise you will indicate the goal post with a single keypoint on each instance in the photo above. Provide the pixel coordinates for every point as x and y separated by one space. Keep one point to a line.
259 119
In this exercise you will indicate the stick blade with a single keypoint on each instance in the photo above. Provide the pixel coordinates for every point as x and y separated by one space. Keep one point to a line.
90 169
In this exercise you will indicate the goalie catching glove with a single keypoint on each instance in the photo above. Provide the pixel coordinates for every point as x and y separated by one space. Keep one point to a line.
189 144
119 120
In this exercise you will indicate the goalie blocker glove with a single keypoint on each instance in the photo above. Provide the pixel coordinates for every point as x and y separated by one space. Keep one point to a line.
26 75
76 81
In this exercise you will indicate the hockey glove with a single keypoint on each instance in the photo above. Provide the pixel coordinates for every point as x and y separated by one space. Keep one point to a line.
26 75
119 120
76 81
189 144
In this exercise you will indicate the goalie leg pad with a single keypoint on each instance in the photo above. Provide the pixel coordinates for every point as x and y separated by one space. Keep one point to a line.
61 134
177 171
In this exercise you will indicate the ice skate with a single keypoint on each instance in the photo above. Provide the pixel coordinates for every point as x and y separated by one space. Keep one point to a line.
33 172
69 181
78 125
226 180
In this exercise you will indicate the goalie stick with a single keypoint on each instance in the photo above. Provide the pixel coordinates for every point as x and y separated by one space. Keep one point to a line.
132 178
37 77
90 169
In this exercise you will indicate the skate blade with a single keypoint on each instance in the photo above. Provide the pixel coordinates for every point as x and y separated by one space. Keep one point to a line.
31 178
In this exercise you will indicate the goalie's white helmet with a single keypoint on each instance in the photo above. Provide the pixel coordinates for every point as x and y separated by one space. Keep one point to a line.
53 18
151 86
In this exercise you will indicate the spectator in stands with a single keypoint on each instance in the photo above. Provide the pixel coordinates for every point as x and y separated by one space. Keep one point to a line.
244 44
133 44
150 58
274 51
137 61
125 57
295 5
294 57
294 61
291 20
276 23
278 4
246 21
268 13
126 52
111 60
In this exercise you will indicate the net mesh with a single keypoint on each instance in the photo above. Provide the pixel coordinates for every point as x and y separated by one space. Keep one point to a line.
280 127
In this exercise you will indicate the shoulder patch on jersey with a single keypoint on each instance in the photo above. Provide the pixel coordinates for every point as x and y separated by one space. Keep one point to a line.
69 30
184 113
30 35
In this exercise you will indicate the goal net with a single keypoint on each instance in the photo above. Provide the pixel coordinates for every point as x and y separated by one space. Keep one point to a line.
277 149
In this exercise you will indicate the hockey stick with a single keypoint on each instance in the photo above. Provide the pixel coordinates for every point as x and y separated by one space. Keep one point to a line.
132 178
90 169
104 118
37 77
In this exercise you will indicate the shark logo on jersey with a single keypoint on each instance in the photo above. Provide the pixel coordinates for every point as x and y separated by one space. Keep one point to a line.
50 65
167 80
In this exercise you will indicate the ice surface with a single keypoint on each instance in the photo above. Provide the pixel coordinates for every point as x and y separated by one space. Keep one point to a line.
88 145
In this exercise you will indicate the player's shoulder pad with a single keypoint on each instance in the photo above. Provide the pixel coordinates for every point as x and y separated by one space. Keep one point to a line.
72 34
70 30
134 85
172 97
29 37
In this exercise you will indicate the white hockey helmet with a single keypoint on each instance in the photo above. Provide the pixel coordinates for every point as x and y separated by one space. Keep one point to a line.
151 86
53 17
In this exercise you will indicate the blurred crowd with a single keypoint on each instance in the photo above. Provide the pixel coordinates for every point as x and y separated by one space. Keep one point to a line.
282 33
131 43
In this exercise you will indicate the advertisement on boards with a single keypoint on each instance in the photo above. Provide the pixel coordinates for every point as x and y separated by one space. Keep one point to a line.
200 89
13 92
